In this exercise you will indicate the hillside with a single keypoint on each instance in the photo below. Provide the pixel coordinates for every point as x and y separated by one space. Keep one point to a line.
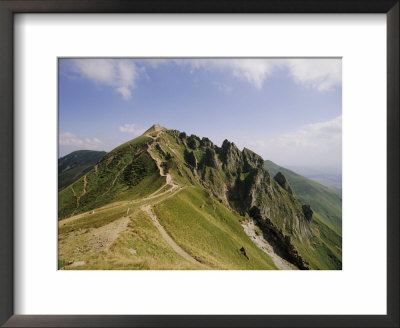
166 200
74 165
322 199
329 177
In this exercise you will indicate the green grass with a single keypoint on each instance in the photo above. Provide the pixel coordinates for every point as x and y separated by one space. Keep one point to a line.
322 199
152 252
61 264
324 250
165 188
74 165
95 220
131 143
215 236
125 173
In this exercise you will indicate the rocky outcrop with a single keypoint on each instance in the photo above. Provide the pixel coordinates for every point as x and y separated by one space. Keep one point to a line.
251 160
283 182
193 142
230 156
308 212
277 238
210 158
239 180
159 149
190 158
205 142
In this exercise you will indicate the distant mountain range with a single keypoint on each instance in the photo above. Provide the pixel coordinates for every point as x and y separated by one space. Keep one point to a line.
74 165
168 200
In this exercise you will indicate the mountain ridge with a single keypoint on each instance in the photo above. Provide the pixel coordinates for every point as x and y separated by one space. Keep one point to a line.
172 165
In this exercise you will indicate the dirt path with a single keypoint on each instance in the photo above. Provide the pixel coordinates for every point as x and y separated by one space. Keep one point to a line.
147 209
116 205
158 129
167 175
250 229
84 185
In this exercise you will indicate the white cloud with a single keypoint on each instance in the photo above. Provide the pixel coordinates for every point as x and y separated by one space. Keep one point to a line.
315 145
321 74
70 139
131 128
316 135
254 71
122 74
125 92
118 73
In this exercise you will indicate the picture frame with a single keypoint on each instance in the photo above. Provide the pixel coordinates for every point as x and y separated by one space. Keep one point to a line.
7 10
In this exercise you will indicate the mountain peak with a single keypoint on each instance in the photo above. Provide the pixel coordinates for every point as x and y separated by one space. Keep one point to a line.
155 127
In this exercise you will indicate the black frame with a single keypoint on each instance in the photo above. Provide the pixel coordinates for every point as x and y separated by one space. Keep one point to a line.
7 10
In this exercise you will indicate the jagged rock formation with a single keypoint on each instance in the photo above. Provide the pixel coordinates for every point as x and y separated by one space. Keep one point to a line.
210 158
239 180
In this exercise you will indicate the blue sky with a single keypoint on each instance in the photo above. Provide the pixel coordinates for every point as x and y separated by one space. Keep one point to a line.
287 110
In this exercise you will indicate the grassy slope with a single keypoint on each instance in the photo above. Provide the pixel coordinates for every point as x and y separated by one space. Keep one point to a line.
152 251
74 165
324 250
216 236
322 199
125 173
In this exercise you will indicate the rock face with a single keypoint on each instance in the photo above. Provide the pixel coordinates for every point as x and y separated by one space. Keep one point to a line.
193 142
205 142
283 182
210 158
308 212
230 156
251 160
190 158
